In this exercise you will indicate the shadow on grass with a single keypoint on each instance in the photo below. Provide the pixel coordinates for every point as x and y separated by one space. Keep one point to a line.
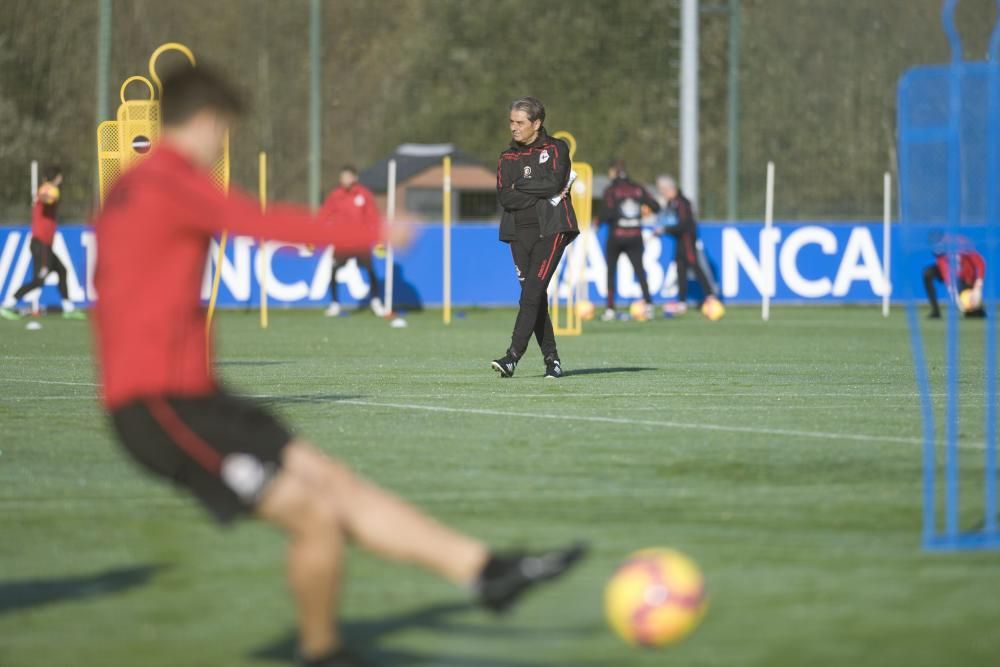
362 635
18 595
608 369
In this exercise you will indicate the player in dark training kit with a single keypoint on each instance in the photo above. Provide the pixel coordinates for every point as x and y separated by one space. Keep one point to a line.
173 418
684 229
533 179
623 205
43 257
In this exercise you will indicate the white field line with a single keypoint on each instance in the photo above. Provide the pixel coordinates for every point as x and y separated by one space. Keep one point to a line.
676 394
69 384
669 394
693 426
699 426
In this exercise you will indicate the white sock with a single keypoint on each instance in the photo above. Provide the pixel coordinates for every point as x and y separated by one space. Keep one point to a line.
68 306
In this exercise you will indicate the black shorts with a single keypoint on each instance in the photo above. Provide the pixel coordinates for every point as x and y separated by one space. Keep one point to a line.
223 449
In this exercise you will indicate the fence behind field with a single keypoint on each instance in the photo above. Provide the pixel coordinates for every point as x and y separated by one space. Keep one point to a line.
806 83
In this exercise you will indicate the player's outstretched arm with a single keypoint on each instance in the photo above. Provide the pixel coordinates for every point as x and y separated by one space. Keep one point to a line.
239 213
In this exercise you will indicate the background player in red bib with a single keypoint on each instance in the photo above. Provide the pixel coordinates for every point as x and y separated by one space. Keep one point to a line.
353 204
971 272
173 418
43 257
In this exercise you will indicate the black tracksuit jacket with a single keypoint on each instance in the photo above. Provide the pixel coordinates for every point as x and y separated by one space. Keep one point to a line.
527 177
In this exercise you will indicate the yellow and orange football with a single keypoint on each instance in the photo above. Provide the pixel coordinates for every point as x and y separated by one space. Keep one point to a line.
585 310
639 311
655 598
713 309
48 193
969 300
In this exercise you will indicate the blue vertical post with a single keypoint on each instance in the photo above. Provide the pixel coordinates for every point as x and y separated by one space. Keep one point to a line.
954 217
913 322
992 223
927 413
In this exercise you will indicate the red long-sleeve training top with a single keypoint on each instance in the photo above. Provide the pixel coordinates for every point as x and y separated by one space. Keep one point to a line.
43 214
353 206
153 236
971 266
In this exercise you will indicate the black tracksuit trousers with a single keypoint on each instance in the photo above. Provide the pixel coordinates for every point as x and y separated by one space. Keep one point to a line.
43 260
364 261
633 248
535 258
686 257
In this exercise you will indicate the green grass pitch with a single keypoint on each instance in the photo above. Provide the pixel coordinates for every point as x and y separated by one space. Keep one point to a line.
783 457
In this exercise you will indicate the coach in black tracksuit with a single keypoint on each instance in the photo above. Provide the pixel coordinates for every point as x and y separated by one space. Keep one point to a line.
533 179
622 212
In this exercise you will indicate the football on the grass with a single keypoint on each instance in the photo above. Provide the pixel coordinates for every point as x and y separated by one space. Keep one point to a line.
969 300
655 598
639 311
713 309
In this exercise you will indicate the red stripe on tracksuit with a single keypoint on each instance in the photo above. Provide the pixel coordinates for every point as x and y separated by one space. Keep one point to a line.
189 441
546 265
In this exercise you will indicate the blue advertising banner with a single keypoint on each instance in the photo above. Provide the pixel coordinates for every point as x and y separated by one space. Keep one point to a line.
813 262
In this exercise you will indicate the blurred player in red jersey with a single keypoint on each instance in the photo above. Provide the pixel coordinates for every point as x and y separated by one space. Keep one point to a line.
235 458
971 272
353 204
43 257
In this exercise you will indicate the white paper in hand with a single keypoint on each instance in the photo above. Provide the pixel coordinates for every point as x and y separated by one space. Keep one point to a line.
569 184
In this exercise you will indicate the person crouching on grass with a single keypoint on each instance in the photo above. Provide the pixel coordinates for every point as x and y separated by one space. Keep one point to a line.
534 175
971 274
170 414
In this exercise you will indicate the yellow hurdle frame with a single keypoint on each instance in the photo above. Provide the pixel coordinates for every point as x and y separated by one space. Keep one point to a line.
141 118
566 319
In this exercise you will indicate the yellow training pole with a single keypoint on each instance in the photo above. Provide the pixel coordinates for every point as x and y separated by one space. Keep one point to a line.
215 283
264 268
222 246
446 192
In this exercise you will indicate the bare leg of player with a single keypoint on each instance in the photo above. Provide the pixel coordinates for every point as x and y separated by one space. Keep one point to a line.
315 555
385 524
320 502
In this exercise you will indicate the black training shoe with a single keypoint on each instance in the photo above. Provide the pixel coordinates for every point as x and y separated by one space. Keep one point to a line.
505 366
553 369
934 315
341 658
506 577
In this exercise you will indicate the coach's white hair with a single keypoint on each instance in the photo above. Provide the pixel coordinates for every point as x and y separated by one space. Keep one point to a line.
666 180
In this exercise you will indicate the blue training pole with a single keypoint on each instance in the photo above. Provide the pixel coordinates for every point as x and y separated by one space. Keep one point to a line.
920 370
954 216
992 222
